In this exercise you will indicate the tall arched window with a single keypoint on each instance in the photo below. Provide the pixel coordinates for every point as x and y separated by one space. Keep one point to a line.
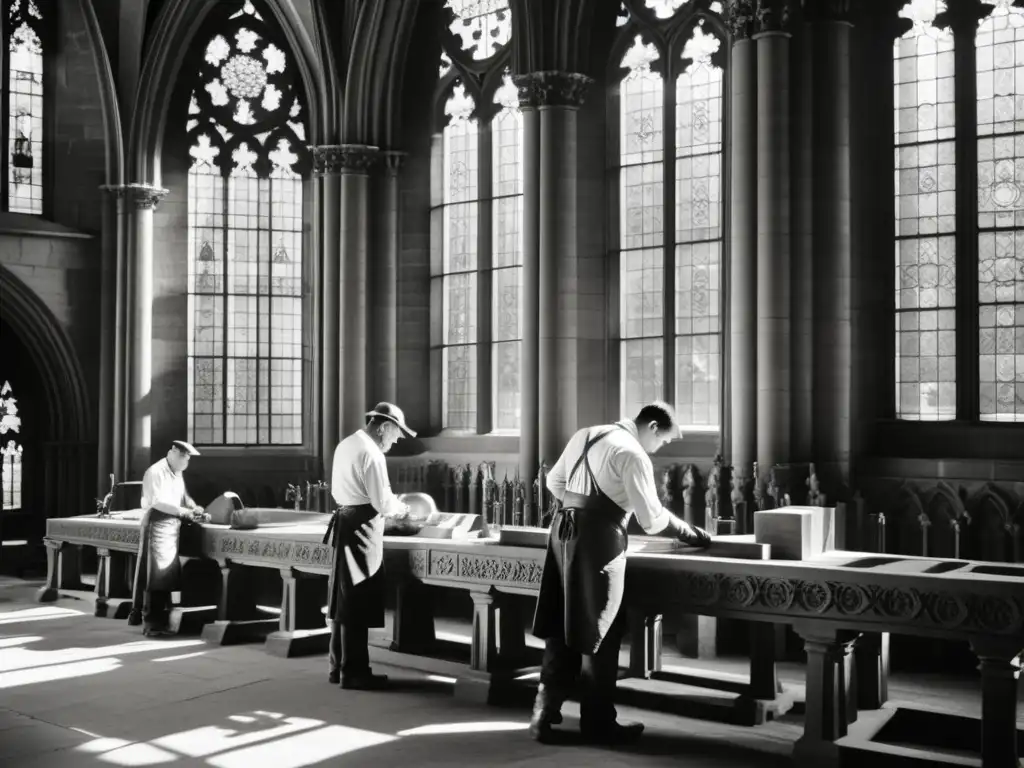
247 142
477 210
10 449
670 168
25 26
960 353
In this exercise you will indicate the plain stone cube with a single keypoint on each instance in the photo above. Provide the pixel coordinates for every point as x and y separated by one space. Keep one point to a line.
794 533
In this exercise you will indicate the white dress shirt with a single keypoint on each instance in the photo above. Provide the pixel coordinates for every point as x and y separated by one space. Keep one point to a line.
163 488
622 469
360 476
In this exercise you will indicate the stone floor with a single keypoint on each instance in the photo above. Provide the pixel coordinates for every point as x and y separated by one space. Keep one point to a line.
80 691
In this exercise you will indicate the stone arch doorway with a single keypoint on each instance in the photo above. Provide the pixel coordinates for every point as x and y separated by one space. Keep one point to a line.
59 459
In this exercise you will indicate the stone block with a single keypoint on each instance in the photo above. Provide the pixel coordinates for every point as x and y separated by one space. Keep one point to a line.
795 533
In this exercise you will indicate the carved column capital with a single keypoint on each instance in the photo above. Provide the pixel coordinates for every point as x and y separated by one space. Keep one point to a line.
142 196
330 159
740 18
773 16
552 89
393 160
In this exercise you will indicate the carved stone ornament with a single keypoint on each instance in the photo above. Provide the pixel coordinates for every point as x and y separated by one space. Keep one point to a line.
552 89
740 18
142 196
947 610
828 10
486 568
773 16
851 599
329 159
393 160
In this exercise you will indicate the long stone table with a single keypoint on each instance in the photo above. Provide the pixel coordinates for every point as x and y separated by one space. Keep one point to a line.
832 601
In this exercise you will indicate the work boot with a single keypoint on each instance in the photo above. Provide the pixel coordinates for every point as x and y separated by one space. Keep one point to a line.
134 619
334 677
547 711
612 734
364 682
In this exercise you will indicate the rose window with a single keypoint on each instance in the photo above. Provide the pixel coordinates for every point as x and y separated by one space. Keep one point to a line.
244 76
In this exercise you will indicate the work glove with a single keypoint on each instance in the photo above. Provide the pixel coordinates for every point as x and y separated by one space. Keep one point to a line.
688 534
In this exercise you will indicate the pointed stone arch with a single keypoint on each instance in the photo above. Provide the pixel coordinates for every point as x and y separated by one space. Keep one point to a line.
903 521
947 519
989 535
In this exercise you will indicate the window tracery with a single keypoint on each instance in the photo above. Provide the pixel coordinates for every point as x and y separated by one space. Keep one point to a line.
478 218
25 33
10 449
247 139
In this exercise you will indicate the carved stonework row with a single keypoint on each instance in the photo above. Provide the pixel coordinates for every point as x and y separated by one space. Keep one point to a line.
552 89
486 568
141 196
128 534
988 613
331 159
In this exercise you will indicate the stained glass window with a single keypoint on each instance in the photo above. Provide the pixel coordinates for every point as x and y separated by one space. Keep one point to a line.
480 193
925 249
10 449
677 248
1000 59
24 62
245 213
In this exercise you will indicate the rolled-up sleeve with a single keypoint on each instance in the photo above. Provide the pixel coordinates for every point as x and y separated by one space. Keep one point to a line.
378 486
638 481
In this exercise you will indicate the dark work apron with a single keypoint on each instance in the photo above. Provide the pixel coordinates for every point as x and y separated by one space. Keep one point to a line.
585 568
355 596
157 568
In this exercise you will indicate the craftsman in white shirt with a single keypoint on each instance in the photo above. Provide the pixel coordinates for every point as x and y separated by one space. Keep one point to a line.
603 477
165 503
360 486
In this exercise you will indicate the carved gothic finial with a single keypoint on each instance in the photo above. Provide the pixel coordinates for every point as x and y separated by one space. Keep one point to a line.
552 89
814 495
714 484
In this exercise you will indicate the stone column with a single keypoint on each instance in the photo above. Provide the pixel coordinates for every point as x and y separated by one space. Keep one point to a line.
356 161
326 167
114 338
773 235
559 96
826 718
743 239
828 32
384 278
529 417
143 199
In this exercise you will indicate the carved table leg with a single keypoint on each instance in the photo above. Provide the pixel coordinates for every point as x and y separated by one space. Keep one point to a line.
645 639
301 630
511 636
113 584
765 697
49 592
238 618
413 629
192 611
825 720
872 669
1000 664
484 678
63 570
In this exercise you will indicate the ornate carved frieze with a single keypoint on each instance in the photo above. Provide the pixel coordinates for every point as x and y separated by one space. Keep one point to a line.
992 614
126 535
330 159
488 569
552 89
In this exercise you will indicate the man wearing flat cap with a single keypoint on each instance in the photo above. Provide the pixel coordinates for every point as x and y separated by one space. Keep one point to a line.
165 503
360 486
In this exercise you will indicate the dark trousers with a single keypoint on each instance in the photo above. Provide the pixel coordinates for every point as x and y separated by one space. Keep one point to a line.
156 608
350 648
597 674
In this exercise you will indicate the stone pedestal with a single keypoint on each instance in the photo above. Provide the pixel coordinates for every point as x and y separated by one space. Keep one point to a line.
63 570
999 664
238 618
301 628
115 576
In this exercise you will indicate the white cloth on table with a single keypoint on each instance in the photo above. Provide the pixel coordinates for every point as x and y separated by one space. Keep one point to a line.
622 470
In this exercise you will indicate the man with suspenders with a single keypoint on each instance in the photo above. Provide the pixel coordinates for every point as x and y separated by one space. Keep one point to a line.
603 476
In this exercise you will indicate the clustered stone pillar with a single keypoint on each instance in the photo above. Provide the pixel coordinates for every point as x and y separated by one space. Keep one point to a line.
384 280
551 101
112 440
743 243
326 167
529 380
828 32
356 161
130 392
773 237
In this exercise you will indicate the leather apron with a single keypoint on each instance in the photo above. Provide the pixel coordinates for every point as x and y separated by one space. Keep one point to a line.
356 587
158 568
585 569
